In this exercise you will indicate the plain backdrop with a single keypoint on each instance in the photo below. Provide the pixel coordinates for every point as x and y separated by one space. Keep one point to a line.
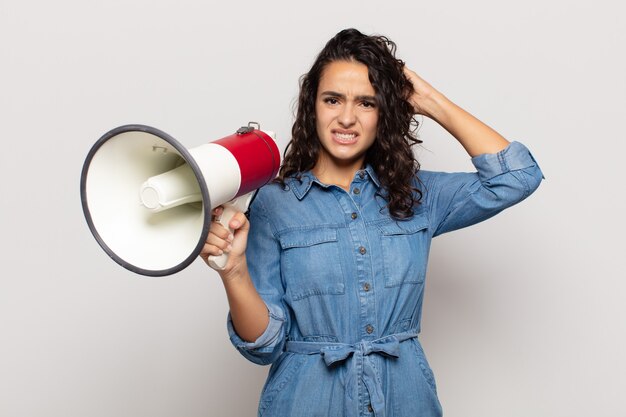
524 314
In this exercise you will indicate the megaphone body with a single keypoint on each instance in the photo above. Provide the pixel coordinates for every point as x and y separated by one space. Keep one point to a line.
148 200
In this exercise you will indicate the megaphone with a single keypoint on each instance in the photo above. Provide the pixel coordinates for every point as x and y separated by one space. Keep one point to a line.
148 200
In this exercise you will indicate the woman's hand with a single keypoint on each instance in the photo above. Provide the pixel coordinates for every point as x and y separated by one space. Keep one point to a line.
424 97
220 240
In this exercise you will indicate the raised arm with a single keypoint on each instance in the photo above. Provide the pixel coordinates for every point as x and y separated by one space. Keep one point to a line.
476 137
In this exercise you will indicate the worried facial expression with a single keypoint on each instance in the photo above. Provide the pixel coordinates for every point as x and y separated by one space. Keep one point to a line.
346 114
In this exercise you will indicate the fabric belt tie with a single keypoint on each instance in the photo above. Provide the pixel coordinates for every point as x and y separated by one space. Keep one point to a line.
334 353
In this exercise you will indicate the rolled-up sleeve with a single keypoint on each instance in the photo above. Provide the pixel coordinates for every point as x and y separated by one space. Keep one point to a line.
263 256
457 200
268 346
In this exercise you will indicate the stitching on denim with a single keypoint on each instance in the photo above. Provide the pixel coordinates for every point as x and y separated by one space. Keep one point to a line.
290 368
502 160
263 215
522 178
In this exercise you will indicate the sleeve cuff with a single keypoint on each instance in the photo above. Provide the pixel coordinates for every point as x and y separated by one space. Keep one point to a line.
514 157
268 340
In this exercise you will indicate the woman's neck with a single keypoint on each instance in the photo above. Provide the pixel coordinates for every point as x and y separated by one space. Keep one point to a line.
334 174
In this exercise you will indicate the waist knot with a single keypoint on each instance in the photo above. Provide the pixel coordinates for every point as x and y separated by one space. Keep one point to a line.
333 353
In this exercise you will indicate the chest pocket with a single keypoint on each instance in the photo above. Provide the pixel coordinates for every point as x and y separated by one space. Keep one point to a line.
311 263
405 246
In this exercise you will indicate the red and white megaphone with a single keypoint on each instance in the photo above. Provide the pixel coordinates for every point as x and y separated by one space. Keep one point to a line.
148 200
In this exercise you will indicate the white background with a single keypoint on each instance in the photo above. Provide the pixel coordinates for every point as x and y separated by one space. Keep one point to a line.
524 314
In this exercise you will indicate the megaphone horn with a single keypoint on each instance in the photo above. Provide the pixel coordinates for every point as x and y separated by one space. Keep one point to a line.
148 200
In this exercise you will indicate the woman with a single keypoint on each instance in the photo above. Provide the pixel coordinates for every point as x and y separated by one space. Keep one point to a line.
326 280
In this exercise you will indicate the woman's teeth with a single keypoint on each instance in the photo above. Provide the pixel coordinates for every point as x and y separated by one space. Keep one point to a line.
345 137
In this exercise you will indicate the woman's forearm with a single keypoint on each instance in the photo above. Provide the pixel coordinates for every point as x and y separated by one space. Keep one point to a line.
476 137
248 311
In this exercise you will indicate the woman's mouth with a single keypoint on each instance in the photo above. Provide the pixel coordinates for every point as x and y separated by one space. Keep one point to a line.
345 138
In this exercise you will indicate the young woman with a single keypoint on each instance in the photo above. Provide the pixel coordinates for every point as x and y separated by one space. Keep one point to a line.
326 279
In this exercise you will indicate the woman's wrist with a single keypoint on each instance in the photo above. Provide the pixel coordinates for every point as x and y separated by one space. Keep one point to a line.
436 107
237 274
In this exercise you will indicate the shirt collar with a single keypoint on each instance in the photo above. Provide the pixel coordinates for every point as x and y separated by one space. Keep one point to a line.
301 186
372 174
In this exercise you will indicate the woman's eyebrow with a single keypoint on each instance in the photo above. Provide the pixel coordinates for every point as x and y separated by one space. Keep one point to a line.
333 94
343 96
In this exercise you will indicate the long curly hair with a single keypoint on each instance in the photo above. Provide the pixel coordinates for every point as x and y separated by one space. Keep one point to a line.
390 155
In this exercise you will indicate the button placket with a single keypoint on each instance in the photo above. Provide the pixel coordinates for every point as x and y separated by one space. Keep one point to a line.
357 227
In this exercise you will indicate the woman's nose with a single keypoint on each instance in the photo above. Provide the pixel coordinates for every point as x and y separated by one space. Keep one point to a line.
347 117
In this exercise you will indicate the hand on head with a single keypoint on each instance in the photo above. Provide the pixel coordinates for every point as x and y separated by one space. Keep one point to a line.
423 93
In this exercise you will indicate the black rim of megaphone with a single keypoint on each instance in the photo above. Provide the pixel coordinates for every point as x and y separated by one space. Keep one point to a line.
196 170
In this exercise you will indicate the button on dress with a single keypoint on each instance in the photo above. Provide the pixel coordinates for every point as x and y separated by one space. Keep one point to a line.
344 284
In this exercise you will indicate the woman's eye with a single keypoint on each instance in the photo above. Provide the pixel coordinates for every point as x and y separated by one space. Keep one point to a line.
331 100
368 104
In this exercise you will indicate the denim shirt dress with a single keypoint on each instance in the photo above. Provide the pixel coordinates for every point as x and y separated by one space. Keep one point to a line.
344 284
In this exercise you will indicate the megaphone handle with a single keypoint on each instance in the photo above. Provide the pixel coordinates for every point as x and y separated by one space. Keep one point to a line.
234 206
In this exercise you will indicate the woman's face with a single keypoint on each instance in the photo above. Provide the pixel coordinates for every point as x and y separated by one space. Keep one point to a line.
346 114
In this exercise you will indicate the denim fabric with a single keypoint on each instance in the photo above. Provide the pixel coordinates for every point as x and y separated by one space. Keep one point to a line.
344 285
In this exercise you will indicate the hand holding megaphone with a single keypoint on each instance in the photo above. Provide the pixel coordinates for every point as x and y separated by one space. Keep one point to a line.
226 214
227 239
148 200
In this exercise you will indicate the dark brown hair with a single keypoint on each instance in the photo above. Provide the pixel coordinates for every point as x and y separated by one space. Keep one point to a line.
390 155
